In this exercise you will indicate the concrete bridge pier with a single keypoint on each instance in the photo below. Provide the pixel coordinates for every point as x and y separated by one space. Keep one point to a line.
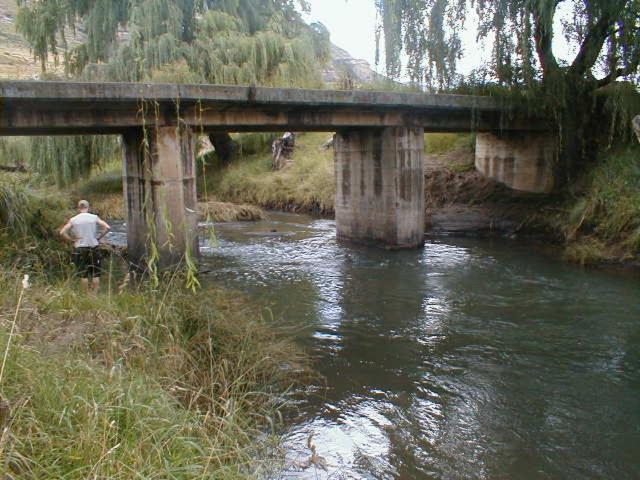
160 195
521 160
380 186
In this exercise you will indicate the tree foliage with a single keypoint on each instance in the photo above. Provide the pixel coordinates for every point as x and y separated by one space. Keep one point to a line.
66 159
604 33
220 41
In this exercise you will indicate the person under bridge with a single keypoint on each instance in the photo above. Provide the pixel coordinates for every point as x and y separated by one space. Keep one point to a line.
283 149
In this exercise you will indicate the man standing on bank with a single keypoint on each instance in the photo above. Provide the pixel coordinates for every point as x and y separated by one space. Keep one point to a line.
82 230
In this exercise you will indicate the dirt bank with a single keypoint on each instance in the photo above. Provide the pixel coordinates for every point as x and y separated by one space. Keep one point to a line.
461 201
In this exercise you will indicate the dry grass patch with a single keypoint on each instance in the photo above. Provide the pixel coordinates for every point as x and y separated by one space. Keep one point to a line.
229 212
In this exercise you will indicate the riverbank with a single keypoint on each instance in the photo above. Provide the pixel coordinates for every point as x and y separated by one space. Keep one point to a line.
154 381
596 221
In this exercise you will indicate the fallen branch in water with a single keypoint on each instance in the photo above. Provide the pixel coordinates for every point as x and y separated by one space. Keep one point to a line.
16 168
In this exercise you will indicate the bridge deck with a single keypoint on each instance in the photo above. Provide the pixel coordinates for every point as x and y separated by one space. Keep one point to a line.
45 108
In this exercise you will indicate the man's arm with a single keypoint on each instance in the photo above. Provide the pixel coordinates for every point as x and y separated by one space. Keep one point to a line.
105 228
64 232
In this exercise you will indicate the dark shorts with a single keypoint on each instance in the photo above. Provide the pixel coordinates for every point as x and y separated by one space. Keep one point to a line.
87 261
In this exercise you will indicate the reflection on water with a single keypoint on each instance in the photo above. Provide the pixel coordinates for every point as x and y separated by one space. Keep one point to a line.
468 359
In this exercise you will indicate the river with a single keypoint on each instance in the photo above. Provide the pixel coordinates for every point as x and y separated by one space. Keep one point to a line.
468 359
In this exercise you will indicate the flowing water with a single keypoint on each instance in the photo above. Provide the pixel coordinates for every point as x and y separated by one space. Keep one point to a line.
468 359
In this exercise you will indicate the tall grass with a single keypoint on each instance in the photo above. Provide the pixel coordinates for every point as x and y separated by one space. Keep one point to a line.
135 382
142 384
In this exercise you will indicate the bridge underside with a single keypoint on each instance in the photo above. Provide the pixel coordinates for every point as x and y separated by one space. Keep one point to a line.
378 147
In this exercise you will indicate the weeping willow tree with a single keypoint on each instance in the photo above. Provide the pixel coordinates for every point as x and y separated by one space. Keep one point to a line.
63 159
260 42
604 36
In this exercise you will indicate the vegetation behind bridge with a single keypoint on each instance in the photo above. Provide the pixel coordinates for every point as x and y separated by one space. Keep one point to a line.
179 41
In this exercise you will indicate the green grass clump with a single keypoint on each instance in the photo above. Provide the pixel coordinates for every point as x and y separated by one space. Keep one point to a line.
305 185
107 182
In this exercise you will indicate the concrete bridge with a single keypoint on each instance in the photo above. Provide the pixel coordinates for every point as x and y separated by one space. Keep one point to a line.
379 147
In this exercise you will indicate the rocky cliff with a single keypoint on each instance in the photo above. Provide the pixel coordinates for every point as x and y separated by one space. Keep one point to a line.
344 71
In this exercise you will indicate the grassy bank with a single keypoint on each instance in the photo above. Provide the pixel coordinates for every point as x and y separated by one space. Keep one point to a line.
144 384
134 382
600 219
307 185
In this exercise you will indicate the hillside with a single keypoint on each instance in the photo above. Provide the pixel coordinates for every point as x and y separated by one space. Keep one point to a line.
346 71
15 59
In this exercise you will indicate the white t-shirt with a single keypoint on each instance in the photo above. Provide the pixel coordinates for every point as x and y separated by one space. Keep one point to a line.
84 227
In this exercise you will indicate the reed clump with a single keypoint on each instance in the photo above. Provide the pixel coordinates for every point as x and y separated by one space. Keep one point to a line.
229 212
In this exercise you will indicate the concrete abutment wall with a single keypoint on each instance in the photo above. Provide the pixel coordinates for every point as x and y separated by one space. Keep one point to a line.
520 160
380 186
160 195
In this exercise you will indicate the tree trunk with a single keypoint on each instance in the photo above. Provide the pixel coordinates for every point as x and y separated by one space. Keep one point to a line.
225 147
577 123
